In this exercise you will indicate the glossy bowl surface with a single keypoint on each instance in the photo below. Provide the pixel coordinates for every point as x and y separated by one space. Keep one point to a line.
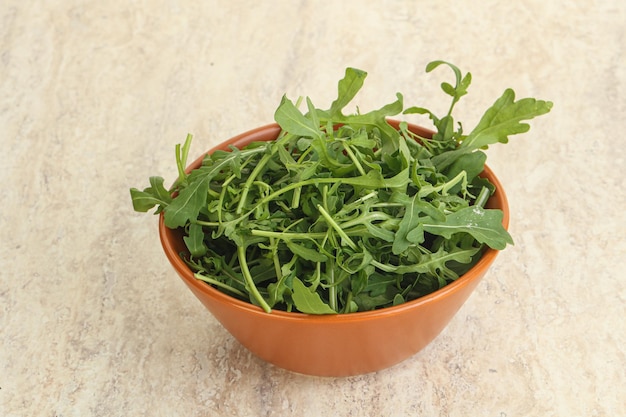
340 345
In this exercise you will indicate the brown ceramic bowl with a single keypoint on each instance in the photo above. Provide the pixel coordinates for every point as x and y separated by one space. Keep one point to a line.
337 345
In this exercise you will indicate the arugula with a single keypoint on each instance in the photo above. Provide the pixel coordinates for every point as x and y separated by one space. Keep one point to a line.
343 212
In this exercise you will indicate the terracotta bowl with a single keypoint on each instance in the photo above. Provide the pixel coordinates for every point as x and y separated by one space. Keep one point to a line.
339 345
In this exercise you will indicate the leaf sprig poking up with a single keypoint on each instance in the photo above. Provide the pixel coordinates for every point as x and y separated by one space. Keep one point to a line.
343 212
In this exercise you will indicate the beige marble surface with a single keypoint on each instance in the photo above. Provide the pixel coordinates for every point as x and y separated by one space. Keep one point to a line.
93 97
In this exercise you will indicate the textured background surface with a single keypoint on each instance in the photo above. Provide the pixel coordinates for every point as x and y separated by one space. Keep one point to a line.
93 98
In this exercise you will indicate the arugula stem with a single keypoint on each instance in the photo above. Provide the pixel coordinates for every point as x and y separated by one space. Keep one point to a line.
352 156
208 224
219 284
181 160
222 196
295 200
384 267
461 176
445 187
482 198
257 170
246 187
369 217
294 185
357 203
277 267
325 196
304 154
357 231
318 276
241 252
346 308
332 289
336 227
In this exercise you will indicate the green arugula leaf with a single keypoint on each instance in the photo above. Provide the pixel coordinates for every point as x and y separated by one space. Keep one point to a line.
154 195
472 163
412 221
377 118
377 283
445 125
306 253
462 82
435 263
192 198
195 240
504 119
348 87
374 179
279 289
186 206
312 114
483 224
307 301
293 121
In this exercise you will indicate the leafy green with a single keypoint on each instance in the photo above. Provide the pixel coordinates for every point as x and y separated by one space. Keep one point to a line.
343 212
348 87
155 195
484 225
413 222
289 116
308 301
195 240
503 119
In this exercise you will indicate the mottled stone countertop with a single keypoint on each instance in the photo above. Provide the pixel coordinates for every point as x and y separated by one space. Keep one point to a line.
93 98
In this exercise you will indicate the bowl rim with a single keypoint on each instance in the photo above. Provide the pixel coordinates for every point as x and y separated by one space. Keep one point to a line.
166 236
